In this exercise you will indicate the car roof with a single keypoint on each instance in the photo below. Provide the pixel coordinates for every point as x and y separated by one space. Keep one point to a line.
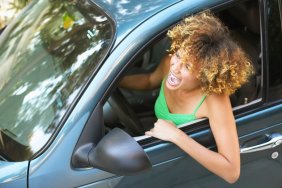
128 14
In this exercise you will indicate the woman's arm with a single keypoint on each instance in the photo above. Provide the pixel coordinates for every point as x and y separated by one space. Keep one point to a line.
224 163
224 130
149 80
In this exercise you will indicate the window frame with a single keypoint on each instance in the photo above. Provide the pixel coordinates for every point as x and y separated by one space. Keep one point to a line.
200 124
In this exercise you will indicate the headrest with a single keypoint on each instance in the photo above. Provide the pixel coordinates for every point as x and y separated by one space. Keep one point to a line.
248 15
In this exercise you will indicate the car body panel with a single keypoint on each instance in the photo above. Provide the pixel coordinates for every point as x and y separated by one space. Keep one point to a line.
130 14
173 168
13 174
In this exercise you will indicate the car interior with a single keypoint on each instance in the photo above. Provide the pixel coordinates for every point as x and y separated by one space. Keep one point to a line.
133 111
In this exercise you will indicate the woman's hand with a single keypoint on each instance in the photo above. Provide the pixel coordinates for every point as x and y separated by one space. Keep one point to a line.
164 130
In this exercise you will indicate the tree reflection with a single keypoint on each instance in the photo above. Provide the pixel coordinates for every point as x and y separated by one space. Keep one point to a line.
129 10
47 56
9 9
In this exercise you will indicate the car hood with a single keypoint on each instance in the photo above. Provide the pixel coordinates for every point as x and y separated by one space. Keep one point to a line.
13 171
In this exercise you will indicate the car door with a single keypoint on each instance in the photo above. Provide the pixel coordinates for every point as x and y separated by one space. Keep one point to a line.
258 121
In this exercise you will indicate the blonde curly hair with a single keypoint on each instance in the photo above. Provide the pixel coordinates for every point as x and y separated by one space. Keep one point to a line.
218 62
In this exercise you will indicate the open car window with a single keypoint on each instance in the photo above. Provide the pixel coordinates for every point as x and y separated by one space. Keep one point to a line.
243 22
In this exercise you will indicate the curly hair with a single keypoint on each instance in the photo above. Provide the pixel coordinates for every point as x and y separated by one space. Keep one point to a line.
219 63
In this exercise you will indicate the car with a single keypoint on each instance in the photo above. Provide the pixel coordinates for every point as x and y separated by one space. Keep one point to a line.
65 122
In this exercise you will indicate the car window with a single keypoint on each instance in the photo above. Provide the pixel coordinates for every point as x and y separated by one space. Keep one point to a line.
46 56
274 49
243 21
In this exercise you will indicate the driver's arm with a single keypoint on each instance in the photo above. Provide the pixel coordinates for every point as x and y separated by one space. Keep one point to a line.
147 81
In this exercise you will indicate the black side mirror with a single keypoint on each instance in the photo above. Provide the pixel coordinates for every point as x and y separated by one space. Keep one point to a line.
120 154
117 152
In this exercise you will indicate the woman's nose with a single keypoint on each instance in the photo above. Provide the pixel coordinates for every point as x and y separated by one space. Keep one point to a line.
177 66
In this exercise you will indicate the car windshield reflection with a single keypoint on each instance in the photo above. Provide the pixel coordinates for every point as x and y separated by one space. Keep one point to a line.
46 56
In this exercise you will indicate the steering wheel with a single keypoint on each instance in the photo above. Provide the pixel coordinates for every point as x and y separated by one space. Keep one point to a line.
121 110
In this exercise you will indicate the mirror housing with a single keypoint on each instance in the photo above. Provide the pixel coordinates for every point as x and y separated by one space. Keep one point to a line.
119 153
116 152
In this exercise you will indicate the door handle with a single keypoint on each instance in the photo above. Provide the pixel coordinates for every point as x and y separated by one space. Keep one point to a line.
274 140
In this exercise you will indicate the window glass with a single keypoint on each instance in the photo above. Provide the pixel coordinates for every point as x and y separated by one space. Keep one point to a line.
46 56
274 49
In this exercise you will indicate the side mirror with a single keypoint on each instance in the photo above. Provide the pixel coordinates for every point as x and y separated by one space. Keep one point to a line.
117 152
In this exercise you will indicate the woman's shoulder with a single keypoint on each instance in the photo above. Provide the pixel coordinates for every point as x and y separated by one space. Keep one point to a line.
217 104
217 98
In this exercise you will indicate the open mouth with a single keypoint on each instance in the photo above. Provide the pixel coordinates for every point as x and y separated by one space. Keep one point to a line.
172 79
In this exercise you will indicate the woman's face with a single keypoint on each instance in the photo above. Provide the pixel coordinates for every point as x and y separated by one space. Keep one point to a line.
180 76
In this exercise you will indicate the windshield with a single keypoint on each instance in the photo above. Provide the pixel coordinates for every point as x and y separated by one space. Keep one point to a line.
46 56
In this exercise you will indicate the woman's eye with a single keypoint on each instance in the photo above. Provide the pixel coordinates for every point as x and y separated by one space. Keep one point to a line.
188 66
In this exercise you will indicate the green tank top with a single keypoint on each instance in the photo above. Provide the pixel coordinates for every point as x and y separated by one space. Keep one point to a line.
162 112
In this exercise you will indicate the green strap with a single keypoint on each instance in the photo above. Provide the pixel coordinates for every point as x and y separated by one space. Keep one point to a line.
199 105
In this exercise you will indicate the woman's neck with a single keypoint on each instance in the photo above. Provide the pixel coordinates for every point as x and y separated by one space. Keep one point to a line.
182 102
184 94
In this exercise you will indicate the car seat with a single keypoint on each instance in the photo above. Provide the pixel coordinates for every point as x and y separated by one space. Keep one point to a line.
248 37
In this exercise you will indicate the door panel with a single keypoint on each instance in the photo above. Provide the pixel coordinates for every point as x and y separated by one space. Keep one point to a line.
173 168
13 174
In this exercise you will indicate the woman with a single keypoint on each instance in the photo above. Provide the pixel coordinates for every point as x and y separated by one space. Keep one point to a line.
205 67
